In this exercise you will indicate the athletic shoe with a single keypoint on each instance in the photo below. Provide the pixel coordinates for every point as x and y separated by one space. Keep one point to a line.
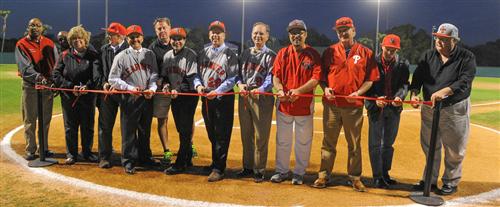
279 177
297 179
195 153
167 157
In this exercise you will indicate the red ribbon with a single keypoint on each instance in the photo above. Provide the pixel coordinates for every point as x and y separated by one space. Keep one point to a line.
43 87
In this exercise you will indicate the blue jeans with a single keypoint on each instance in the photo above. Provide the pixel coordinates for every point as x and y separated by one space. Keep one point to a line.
383 129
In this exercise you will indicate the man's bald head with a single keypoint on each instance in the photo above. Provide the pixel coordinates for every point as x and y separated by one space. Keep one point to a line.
35 28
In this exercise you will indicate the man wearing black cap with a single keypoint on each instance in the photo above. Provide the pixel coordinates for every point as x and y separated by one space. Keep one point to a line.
445 74
296 70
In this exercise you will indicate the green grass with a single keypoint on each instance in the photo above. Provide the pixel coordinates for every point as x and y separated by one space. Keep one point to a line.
489 119
487 80
10 91
484 95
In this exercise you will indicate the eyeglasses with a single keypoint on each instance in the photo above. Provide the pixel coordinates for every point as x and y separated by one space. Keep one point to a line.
35 25
297 32
177 38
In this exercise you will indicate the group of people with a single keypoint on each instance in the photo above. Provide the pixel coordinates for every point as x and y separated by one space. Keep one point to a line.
345 71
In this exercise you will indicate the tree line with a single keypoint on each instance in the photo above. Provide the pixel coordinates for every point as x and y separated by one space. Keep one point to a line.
414 41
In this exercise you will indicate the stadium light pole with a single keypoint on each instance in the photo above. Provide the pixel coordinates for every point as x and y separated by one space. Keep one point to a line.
106 14
4 14
377 30
242 26
78 13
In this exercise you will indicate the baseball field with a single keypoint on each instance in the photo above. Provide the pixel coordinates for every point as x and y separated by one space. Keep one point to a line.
84 184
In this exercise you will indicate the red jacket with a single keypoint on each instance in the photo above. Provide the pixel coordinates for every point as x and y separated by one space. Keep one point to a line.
294 70
35 58
346 75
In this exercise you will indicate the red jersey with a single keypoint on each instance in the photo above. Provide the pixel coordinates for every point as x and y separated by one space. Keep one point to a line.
39 57
345 75
294 70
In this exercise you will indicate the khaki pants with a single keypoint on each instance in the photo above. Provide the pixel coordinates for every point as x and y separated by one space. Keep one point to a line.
30 114
334 118
453 133
255 121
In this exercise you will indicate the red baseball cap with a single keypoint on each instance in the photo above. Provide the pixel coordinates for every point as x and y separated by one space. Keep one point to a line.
217 24
178 31
391 40
344 22
116 28
134 29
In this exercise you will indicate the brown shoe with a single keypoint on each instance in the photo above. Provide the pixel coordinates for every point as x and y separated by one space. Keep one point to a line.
320 183
215 176
357 185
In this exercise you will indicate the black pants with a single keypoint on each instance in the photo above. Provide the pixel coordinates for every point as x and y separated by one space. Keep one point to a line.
218 115
382 132
81 115
136 115
183 110
108 108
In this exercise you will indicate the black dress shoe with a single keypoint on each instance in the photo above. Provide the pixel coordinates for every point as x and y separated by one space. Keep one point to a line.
174 170
149 162
129 169
420 186
70 161
244 173
258 177
390 181
49 153
29 156
91 157
380 183
448 190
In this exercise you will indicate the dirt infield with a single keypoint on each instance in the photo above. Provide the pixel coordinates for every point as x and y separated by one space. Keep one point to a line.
480 174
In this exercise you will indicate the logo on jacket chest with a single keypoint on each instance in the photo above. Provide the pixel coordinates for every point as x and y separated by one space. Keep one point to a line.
356 58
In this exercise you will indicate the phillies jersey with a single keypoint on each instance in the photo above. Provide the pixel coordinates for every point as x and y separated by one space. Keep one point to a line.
294 70
345 75
134 69
215 65
180 69
255 67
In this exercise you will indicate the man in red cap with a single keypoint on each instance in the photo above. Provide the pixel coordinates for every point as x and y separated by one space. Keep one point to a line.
451 85
349 69
108 104
383 117
180 68
217 71
134 69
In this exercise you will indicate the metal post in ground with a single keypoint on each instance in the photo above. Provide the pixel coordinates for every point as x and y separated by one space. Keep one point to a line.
41 161
424 197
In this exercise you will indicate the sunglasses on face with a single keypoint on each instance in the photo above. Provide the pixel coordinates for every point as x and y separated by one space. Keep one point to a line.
177 38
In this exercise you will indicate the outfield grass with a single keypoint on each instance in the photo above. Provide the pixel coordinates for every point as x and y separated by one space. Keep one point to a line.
10 96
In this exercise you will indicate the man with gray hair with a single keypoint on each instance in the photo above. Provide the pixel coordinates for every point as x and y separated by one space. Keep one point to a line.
256 112
445 74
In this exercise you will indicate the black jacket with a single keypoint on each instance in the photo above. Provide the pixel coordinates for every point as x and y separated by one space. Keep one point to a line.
106 57
399 82
457 73
73 70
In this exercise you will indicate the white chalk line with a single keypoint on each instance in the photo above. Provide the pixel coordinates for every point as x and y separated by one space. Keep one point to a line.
5 146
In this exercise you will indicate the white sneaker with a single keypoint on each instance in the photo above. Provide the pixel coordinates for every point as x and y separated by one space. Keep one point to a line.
279 177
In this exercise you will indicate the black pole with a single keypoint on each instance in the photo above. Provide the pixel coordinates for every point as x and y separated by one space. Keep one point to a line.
42 161
425 198
41 138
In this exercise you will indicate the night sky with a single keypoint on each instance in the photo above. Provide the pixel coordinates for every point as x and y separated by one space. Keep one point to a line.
477 20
